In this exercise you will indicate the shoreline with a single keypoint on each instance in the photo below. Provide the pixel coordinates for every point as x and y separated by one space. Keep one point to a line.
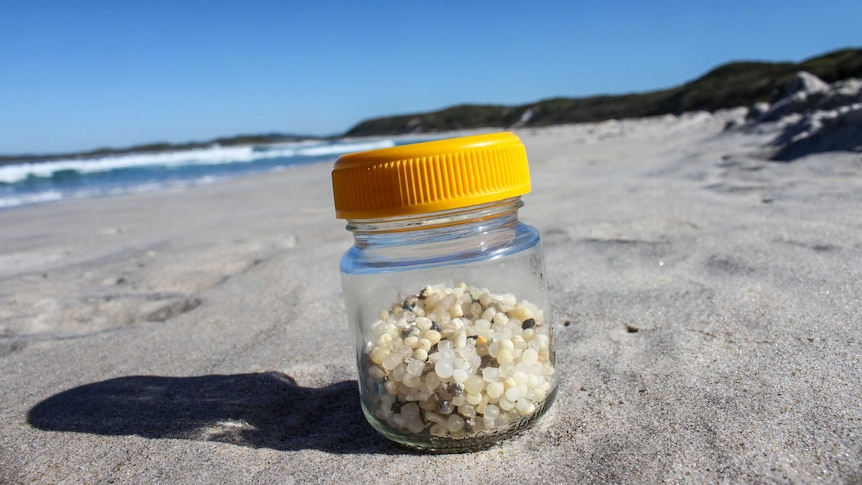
61 194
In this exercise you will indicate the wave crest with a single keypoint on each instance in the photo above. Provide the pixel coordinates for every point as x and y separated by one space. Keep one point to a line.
215 155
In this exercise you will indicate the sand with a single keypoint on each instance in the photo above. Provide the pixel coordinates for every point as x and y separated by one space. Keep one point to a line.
708 321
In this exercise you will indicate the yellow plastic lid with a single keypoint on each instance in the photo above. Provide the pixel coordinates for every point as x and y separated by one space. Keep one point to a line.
431 176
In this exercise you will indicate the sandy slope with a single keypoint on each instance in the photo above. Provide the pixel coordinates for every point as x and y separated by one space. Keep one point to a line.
708 328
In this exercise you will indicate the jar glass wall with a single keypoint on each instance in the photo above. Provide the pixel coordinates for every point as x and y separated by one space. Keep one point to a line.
451 321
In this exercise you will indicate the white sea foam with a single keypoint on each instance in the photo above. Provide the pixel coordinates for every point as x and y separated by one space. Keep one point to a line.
28 199
338 149
215 155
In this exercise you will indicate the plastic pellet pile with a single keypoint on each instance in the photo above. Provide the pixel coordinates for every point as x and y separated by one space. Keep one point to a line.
458 362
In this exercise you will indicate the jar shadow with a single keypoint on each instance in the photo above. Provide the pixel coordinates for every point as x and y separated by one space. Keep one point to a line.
260 410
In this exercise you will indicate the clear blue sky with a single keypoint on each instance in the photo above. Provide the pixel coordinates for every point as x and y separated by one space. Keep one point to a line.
77 75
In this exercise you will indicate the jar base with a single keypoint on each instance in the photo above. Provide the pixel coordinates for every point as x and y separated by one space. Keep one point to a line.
426 443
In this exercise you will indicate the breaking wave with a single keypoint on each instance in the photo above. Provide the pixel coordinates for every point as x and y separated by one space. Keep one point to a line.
30 183
215 155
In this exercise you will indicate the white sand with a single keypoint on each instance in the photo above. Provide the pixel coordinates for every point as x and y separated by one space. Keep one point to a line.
712 300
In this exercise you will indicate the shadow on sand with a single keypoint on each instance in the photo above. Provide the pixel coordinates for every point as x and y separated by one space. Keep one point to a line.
256 410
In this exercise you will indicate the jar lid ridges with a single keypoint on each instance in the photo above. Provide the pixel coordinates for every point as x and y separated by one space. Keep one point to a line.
430 176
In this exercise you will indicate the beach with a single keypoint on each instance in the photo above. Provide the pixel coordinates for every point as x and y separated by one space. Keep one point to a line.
706 301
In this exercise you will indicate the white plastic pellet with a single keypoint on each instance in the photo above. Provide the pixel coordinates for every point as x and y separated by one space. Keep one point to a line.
391 361
455 423
423 323
415 367
504 356
410 410
495 390
525 407
474 385
416 425
491 374
460 375
491 411
444 369
411 380
432 380
432 336
467 410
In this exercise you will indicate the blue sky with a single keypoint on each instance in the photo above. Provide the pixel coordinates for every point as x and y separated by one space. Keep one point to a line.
77 75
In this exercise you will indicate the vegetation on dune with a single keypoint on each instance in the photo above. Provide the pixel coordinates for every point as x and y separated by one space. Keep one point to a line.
835 66
727 86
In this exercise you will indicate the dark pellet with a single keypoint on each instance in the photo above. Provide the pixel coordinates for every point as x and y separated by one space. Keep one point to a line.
410 303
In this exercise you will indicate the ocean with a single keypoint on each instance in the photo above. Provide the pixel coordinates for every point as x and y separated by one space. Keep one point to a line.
59 180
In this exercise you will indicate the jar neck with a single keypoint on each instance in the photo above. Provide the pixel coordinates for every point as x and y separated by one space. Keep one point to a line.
419 228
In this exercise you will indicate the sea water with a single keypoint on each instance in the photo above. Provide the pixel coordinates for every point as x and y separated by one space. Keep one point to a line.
56 180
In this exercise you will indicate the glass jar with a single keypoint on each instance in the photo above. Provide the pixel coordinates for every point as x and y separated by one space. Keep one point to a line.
445 292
